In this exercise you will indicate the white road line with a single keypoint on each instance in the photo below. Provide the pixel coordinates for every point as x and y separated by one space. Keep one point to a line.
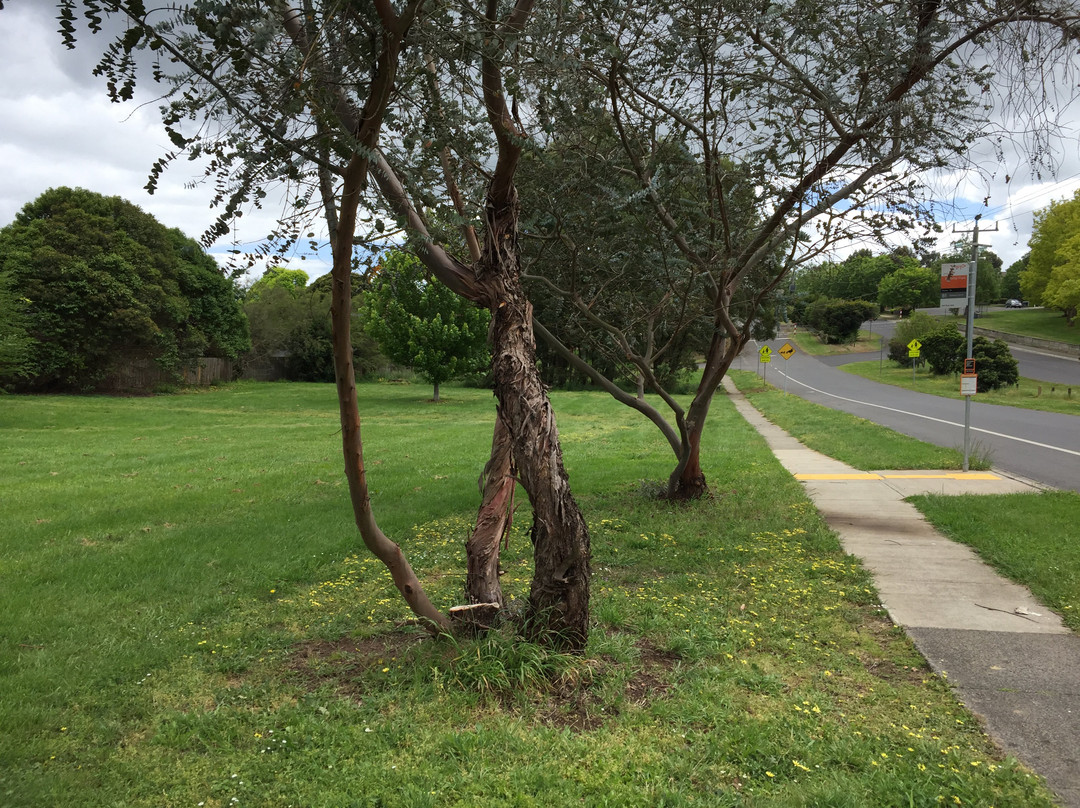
930 418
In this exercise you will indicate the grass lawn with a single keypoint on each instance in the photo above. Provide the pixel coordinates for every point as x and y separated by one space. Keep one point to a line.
1041 323
187 618
848 438
866 342
1030 394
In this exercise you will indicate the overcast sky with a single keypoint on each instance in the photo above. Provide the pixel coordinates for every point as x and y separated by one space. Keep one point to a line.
57 127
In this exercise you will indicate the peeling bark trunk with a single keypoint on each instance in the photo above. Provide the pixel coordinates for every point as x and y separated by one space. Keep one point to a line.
492 521
559 598
376 541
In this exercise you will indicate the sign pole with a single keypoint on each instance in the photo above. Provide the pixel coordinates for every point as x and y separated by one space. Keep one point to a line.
972 276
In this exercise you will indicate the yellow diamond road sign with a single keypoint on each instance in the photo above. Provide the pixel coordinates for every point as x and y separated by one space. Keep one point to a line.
786 350
913 348
765 354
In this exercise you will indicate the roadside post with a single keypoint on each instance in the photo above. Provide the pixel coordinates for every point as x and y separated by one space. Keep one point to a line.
913 349
787 350
765 357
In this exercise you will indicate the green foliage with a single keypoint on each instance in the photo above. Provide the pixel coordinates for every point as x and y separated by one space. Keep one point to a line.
420 323
291 325
1010 282
994 364
15 342
989 277
293 280
838 320
1054 226
102 282
944 350
855 278
917 326
909 287
1063 288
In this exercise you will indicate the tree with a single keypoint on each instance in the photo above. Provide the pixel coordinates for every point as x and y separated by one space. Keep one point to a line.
917 326
316 97
1054 226
420 323
292 280
826 114
994 364
908 288
104 282
292 325
857 277
1010 281
1063 288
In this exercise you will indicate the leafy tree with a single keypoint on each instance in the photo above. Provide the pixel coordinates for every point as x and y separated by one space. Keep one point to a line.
104 282
857 277
293 324
909 287
292 280
420 323
1063 287
944 350
1010 281
1054 226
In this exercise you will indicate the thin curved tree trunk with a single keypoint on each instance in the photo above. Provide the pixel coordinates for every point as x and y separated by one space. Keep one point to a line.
374 539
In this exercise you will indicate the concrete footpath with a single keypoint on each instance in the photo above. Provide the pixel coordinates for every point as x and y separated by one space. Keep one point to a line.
1008 658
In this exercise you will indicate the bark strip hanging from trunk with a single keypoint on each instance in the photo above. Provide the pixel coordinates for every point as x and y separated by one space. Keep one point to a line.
493 520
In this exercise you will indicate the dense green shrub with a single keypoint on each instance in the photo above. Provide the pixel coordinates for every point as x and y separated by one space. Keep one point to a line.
994 364
918 326
838 321
944 350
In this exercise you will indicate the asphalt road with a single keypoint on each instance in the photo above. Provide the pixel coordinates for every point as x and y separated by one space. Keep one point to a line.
1040 446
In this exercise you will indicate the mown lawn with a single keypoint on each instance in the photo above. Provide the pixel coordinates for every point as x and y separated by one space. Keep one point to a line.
1041 323
187 618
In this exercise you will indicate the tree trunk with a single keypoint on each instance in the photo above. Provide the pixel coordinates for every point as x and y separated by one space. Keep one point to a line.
341 310
559 598
435 396
492 521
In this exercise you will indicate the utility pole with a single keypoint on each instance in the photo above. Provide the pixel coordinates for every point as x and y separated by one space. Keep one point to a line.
973 271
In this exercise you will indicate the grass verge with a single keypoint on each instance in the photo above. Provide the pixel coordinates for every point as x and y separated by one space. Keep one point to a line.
866 342
1026 537
1030 394
848 438
1041 323
186 620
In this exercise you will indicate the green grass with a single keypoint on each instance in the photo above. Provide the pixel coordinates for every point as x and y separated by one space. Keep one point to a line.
1027 537
866 342
187 616
1041 323
1029 394
848 438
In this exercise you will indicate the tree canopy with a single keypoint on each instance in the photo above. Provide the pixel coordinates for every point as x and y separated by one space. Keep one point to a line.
421 324
102 282
1052 275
